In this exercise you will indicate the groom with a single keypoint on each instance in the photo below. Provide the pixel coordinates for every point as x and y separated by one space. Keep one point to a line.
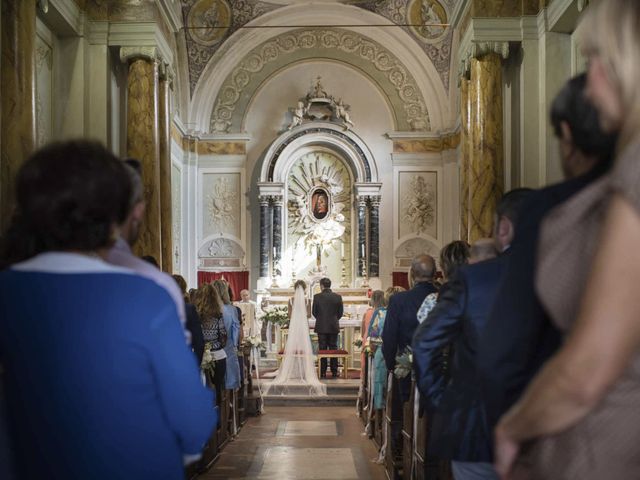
327 310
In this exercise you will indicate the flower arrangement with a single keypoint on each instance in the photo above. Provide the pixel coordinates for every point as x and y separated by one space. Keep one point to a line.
358 343
254 341
403 363
277 316
208 365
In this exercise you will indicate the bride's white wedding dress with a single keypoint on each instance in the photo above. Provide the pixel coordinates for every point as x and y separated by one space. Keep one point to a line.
297 374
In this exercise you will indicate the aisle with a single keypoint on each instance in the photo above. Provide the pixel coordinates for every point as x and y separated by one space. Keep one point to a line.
300 443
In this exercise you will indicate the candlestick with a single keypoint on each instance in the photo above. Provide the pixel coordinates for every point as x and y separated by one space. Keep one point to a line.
343 272
365 277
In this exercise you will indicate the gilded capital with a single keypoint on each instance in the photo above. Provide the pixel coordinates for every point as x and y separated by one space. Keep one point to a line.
128 54
479 49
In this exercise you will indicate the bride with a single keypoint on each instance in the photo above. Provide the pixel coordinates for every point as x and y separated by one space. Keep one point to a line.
297 374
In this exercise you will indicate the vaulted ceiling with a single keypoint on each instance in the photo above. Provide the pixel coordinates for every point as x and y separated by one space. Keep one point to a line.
211 24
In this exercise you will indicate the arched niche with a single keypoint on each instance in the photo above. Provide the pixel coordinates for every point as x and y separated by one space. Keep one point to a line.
346 144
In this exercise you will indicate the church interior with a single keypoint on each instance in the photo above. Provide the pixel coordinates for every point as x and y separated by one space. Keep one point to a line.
288 140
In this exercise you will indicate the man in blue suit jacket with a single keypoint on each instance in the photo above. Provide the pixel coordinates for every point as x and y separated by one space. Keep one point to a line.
399 327
402 319
459 430
519 336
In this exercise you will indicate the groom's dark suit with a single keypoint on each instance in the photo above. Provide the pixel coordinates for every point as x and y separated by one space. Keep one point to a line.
327 310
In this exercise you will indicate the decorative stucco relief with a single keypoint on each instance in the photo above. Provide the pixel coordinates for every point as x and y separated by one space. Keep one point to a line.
221 203
417 194
209 23
420 205
426 21
412 247
322 42
221 248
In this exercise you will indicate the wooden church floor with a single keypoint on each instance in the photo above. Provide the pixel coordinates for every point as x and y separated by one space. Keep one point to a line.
291 443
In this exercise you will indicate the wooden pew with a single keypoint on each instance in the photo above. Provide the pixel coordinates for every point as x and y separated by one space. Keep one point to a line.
393 457
407 437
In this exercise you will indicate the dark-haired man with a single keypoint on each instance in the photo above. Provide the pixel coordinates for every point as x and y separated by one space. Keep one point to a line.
327 310
121 254
458 429
519 336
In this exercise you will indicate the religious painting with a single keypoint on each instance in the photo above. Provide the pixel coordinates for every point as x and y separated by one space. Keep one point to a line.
427 19
208 21
319 203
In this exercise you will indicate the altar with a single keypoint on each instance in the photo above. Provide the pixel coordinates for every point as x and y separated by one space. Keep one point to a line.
356 303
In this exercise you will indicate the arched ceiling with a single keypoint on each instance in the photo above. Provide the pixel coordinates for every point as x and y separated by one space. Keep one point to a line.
210 23
351 48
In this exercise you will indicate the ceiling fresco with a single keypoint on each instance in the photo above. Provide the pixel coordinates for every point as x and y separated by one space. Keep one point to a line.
209 23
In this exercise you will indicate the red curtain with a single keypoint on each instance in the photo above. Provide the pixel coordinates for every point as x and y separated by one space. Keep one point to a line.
400 279
237 280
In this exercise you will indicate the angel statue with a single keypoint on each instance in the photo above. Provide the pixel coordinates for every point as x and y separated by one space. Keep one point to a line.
298 113
342 114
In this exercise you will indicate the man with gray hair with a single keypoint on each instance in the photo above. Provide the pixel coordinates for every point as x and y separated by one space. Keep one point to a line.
399 327
121 254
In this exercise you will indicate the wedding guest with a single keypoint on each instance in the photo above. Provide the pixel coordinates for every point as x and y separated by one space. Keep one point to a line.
378 367
374 334
458 430
232 325
482 249
520 336
452 256
99 381
400 325
126 236
582 407
376 301
209 306
193 320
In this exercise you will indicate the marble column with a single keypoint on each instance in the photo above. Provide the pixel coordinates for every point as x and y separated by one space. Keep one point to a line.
486 178
142 140
374 236
277 234
465 151
362 232
17 77
164 141
265 229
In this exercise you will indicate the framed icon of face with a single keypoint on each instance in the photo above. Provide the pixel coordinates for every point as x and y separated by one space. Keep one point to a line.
320 203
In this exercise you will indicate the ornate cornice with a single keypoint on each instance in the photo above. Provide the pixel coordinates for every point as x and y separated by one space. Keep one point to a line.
400 86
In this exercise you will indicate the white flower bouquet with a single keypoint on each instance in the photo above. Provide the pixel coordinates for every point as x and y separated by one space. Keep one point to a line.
403 363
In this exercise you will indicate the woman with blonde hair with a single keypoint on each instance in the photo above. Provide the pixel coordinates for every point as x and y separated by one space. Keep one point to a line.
583 405
375 340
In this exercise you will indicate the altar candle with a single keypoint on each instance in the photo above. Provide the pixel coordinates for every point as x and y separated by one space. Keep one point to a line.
342 249
362 250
